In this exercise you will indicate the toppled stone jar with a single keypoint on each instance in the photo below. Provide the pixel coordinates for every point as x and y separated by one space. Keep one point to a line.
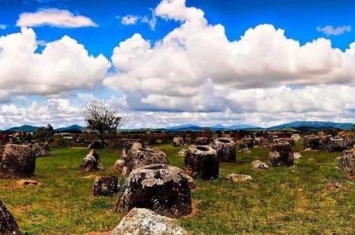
162 188
201 162
281 154
8 225
225 149
105 186
135 156
17 161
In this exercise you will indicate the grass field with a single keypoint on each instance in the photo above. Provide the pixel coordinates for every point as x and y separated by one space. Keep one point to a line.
311 198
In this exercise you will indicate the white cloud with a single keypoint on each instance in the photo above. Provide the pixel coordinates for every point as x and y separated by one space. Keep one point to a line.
63 65
133 20
330 30
54 17
186 68
129 20
3 26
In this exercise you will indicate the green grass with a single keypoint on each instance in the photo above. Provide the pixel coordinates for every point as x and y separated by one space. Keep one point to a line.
297 200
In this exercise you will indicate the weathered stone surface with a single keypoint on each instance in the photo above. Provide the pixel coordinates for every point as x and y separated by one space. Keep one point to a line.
16 161
41 150
297 155
246 143
281 154
259 142
161 188
236 178
8 225
349 140
91 162
137 156
296 137
187 141
202 141
140 221
225 149
178 141
202 162
105 186
259 165
312 142
347 161
336 144
245 150
182 153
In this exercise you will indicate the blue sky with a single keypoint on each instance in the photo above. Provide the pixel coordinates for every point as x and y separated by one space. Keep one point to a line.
172 62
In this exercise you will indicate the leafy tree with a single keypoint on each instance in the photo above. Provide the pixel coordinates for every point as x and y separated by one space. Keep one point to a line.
103 118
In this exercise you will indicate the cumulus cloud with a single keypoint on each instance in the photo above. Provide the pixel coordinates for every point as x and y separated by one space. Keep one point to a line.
55 18
63 65
3 26
330 30
187 69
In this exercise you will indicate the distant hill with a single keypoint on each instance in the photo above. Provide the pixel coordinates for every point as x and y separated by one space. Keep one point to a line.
186 127
217 127
73 128
24 128
312 125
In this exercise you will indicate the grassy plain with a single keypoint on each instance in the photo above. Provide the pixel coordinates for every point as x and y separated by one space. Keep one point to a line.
314 197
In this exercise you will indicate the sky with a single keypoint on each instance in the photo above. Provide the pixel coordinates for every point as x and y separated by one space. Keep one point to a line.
168 62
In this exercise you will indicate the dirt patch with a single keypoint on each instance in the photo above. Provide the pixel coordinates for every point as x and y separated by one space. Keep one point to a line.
194 205
98 233
302 204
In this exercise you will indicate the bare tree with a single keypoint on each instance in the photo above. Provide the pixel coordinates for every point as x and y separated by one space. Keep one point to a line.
100 116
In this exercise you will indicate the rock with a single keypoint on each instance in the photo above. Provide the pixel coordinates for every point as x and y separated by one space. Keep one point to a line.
202 141
225 149
118 165
202 162
8 225
236 178
296 137
187 141
91 162
178 141
137 156
161 188
245 150
16 161
105 186
258 142
191 181
347 160
41 151
140 221
336 144
258 165
182 153
311 141
246 143
281 154
158 142
349 140
297 155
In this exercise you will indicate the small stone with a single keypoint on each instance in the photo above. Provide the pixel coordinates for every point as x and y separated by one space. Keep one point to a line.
236 178
105 186
258 165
